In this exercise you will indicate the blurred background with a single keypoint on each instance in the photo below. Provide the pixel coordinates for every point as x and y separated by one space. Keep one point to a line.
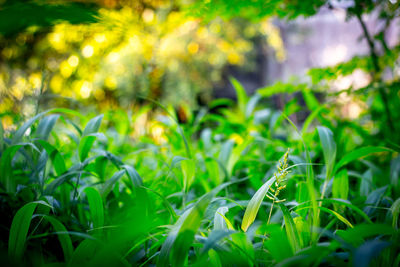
104 54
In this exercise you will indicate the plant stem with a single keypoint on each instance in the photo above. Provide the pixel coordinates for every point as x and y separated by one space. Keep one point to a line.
270 211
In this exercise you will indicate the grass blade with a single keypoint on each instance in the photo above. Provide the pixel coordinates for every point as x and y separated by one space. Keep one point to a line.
337 215
19 229
95 207
240 94
134 175
254 204
219 221
291 229
328 148
93 125
188 170
359 153
55 156
177 244
45 126
63 236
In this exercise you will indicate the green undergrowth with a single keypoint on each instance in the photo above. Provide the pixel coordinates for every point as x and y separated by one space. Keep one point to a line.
241 186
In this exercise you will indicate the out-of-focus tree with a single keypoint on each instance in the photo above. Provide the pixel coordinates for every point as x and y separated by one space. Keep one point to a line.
152 49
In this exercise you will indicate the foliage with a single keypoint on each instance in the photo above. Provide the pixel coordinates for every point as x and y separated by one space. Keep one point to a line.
89 195
133 51
226 184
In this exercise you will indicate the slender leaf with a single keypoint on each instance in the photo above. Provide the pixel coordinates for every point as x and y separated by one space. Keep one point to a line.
255 203
328 148
45 126
19 229
359 153
95 206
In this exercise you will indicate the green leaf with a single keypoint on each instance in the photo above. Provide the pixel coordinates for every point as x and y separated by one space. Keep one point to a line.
45 126
21 131
84 253
213 239
356 235
95 207
219 221
340 186
365 254
109 184
277 243
1 137
85 145
50 188
19 229
251 105
93 125
179 240
395 210
339 202
281 88
302 195
55 156
359 153
240 94
63 236
337 215
226 152
188 170
134 175
373 200
328 148
254 204
6 169
291 229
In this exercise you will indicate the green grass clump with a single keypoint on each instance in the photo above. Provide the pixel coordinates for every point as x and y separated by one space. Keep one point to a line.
206 192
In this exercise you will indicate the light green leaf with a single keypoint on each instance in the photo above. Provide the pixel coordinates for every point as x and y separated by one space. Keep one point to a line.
254 204
340 187
337 215
188 170
359 153
291 229
93 125
219 221
241 94
328 148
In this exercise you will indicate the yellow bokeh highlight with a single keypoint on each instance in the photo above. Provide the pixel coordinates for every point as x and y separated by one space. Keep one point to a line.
66 69
35 80
193 48
110 82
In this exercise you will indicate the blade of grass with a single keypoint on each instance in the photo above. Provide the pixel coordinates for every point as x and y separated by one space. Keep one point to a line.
291 229
19 229
255 203
95 206
359 153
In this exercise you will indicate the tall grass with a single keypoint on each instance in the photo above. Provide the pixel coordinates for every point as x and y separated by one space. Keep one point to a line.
80 192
